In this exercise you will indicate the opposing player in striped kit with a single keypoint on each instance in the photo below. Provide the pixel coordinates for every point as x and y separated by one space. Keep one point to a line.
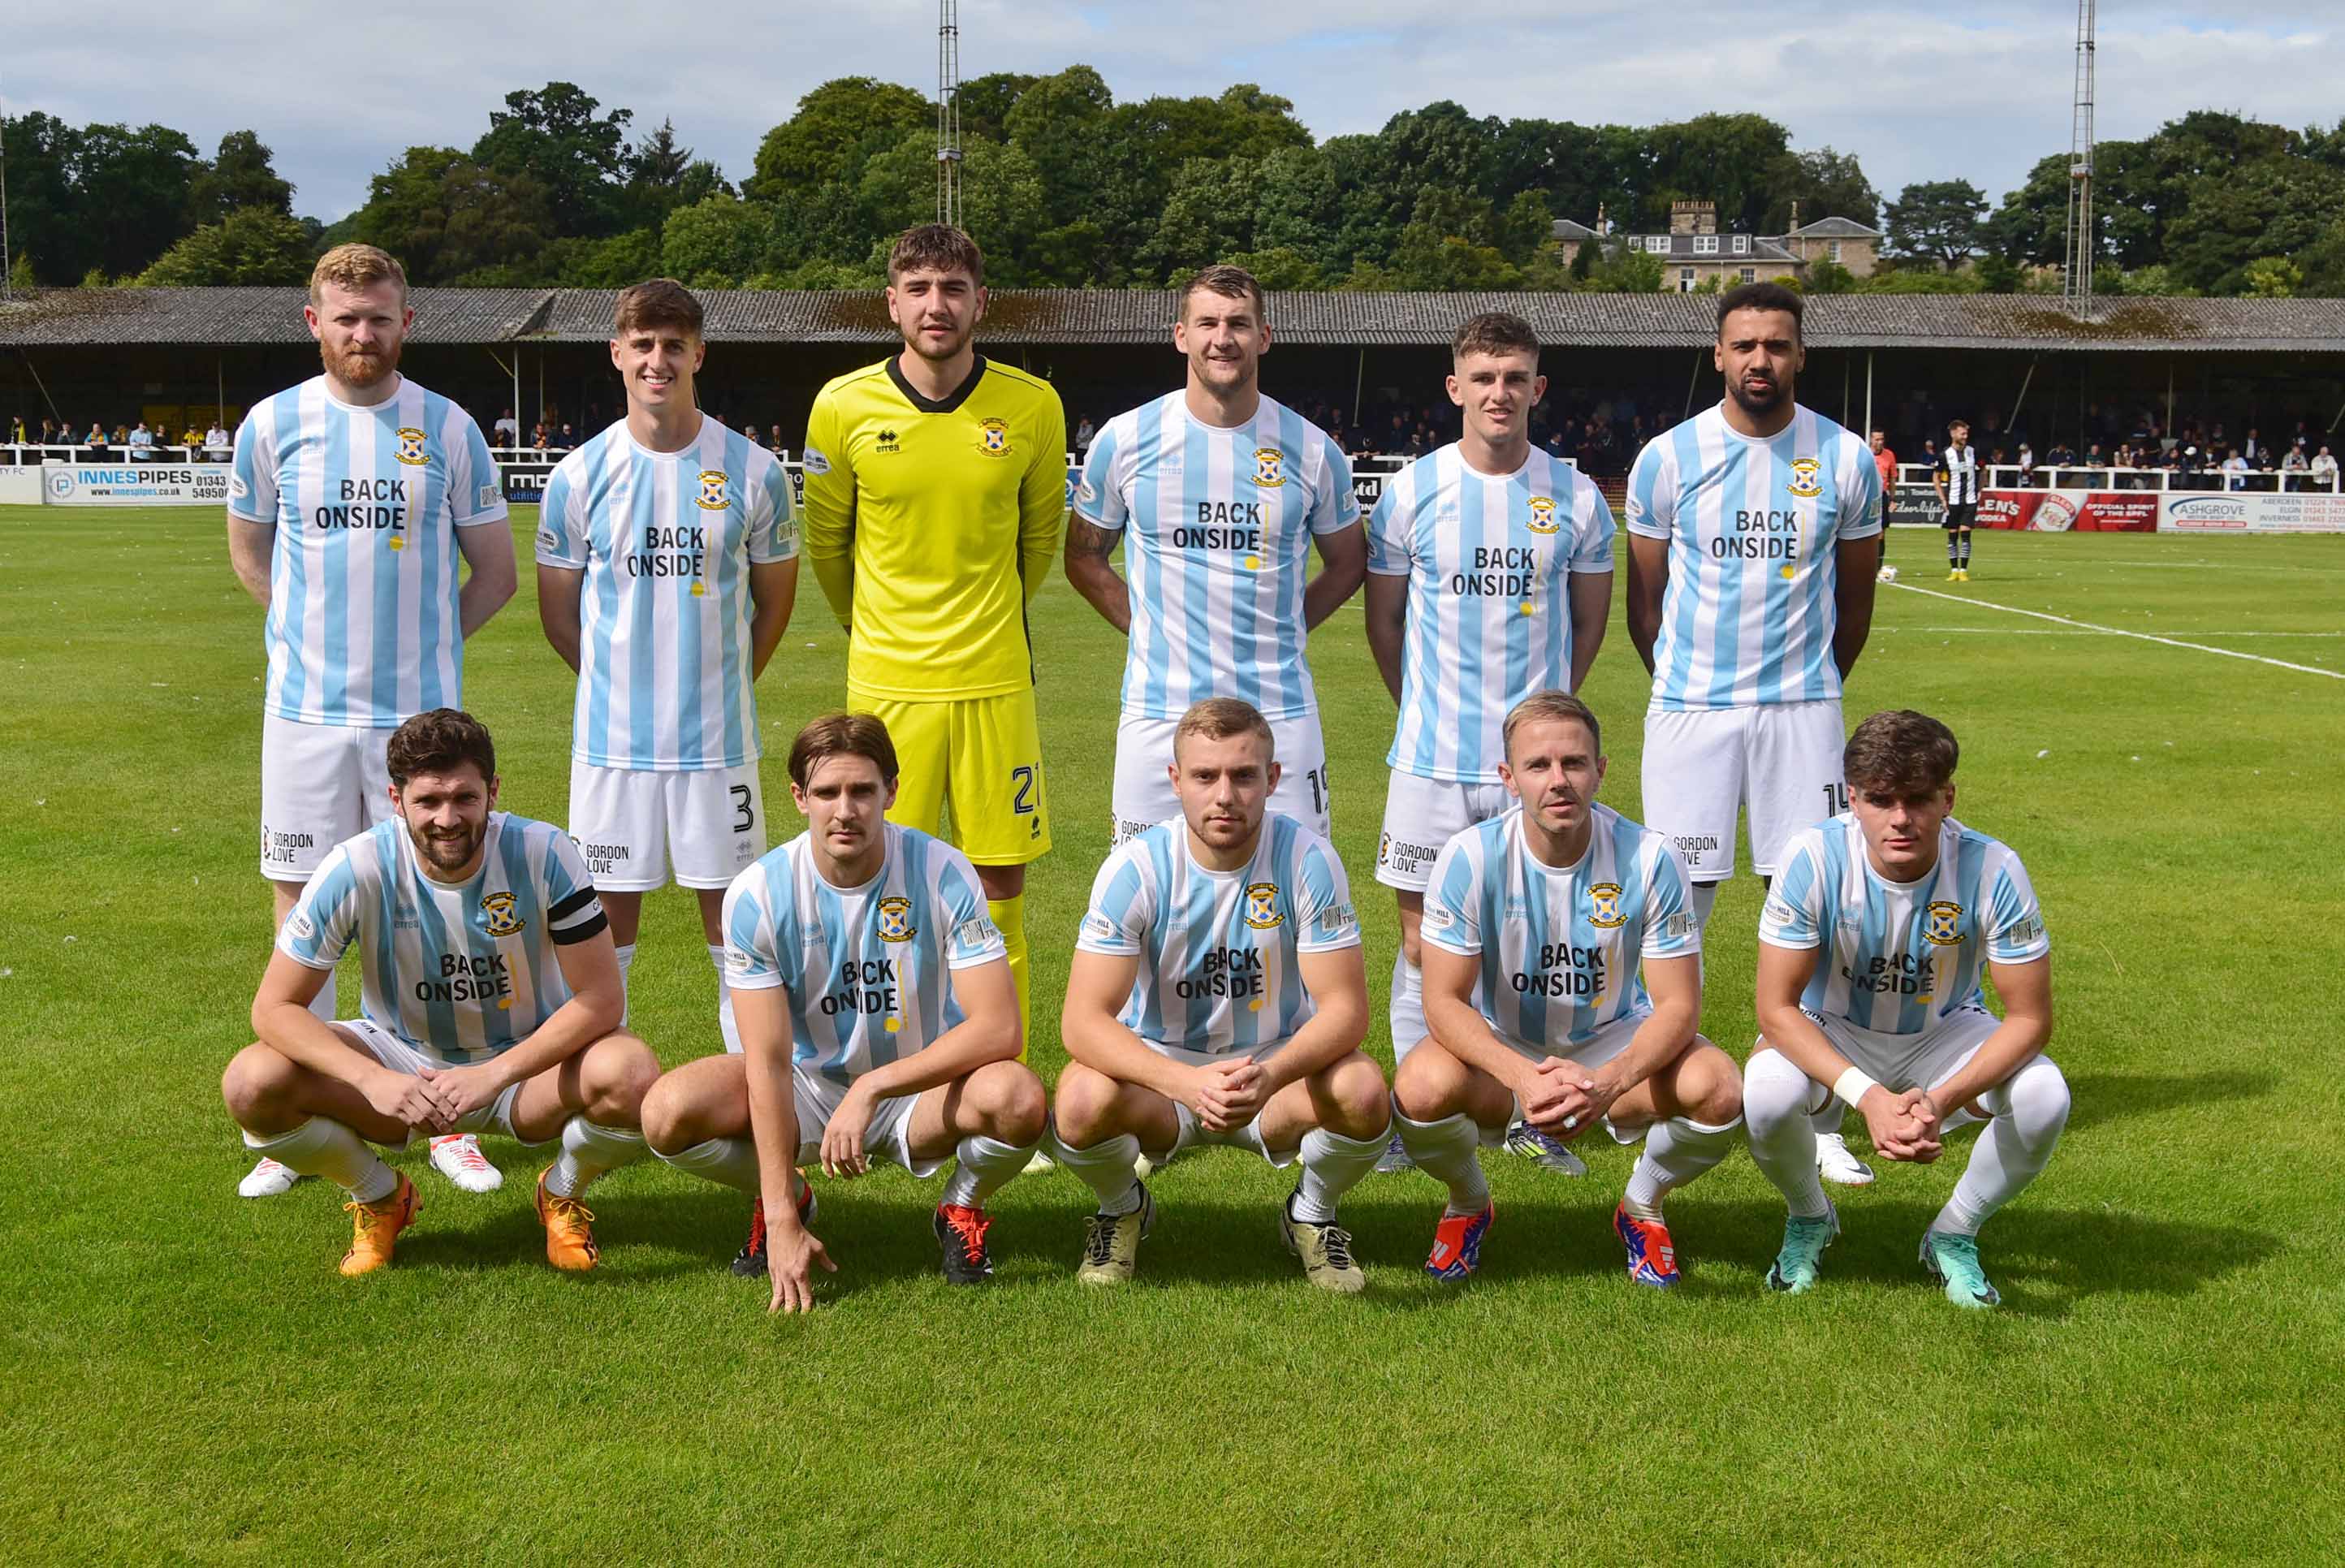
1872 947
666 564
1218 494
493 1002
352 497
1489 578
1754 535
1563 982
1217 996
878 1019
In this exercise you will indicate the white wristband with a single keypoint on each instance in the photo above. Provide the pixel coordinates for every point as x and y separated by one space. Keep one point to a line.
1850 1085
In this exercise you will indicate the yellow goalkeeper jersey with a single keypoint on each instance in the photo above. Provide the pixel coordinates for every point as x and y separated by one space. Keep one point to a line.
932 524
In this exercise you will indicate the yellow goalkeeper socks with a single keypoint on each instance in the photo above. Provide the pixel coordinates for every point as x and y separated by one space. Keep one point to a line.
1010 917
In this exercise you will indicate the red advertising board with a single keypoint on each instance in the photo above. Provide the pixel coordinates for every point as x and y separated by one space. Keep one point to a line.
2063 510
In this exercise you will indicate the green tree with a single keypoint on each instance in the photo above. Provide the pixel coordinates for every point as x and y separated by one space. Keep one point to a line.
2273 278
1826 276
985 103
716 242
1822 184
1624 270
1297 205
555 139
1939 219
133 194
1004 206
1734 161
445 217
837 127
250 245
1282 267
241 174
611 263
43 226
2269 207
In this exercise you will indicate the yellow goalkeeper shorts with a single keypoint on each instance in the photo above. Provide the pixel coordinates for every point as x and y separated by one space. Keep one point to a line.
985 755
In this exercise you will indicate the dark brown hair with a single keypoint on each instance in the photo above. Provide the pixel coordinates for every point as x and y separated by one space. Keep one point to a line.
1900 754
939 246
1231 283
440 741
656 302
1493 333
842 735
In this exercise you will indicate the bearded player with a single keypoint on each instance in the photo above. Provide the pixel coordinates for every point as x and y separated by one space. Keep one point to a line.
1218 494
935 489
352 497
493 1002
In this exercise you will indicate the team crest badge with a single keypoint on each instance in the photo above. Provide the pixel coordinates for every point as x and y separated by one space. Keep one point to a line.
1543 514
1262 906
1941 924
712 489
502 919
1807 478
1604 900
1384 850
896 919
1267 472
411 447
994 437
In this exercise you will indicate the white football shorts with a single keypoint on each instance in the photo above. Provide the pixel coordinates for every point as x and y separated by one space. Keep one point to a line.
319 784
1899 1062
1143 793
402 1055
1421 815
890 1136
631 823
1608 1041
1783 761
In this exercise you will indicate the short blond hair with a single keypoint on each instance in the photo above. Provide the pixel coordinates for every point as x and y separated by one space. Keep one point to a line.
1219 719
357 266
1543 707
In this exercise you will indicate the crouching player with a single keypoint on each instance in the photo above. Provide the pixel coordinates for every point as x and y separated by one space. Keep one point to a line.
878 1017
1536 924
492 1002
1217 996
1871 947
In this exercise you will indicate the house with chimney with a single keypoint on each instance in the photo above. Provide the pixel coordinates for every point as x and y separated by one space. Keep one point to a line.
1694 251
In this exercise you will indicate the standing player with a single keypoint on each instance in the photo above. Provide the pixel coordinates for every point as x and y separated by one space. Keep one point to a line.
493 1002
878 1017
936 486
1491 577
1955 478
1217 996
1563 981
1219 492
666 564
351 498
1871 950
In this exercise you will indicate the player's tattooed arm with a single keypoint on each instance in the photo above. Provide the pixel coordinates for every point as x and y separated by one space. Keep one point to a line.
1092 573
1648 576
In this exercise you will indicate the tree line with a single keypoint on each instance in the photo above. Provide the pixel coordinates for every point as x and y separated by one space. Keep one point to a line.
1065 188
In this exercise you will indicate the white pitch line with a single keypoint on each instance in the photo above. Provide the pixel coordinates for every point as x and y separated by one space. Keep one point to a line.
2037 632
2120 632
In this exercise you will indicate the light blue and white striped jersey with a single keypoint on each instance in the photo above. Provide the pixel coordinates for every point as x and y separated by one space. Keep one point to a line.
1489 559
1217 949
463 971
1747 619
362 626
1559 945
866 970
665 540
1217 528
1904 956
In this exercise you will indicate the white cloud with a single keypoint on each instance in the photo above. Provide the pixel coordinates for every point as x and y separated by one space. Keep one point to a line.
1918 93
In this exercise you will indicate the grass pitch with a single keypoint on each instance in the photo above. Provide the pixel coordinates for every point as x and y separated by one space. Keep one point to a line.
192 1380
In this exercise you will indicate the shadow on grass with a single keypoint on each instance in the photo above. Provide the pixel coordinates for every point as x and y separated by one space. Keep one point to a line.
2116 1096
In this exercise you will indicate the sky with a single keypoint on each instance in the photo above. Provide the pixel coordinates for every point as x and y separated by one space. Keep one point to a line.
1918 89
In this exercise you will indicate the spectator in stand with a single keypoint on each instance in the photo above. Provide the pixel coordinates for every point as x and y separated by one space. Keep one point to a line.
2026 461
568 440
774 438
2254 449
507 429
218 445
142 443
2235 470
537 437
17 431
97 436
2293 468
52 433
1084 433
2323 470
2267 470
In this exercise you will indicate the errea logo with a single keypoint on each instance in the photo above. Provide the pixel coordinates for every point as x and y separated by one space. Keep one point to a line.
887 442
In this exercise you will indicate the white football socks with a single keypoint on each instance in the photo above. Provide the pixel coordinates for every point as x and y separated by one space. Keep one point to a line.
986 1165
1109 1167
1408 1025
1705 895
729 1161
725 1023
1775 1100
1449 1151
1676 1151
1331 1166
587 1152
2030 1111
322 1146
626 962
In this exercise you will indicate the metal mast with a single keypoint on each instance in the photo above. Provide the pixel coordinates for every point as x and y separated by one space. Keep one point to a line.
5 292
2081 240
949 113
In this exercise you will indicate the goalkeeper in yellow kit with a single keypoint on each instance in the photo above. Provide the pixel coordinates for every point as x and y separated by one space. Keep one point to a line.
936 486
